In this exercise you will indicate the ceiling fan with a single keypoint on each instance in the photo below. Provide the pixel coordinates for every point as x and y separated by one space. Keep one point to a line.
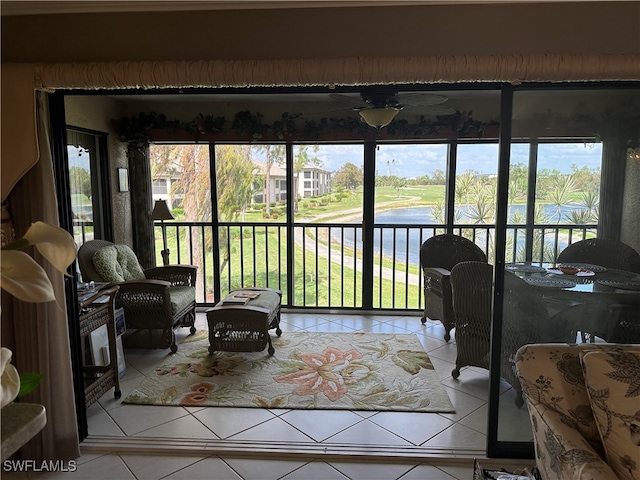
379 109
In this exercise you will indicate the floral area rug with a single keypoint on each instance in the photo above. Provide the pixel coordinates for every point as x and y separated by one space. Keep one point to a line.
343 371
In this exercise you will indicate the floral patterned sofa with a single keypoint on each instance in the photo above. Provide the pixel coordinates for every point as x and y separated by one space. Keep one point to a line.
584 404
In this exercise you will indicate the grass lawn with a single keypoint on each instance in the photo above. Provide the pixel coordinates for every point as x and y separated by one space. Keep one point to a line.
317 281
258 255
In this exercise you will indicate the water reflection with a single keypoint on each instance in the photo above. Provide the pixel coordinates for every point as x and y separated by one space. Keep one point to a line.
403 244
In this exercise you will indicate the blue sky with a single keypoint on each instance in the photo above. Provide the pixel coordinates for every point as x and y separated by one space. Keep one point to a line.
412 161
415 160
78 157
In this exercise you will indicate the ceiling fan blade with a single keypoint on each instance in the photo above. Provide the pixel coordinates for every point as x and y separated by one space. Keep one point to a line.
420 99
355 101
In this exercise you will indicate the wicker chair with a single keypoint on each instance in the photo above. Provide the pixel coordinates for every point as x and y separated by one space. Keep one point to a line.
604 252
525 320
438 255
156 299
624 323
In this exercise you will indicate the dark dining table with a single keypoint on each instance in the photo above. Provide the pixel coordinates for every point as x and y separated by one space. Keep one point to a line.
587 297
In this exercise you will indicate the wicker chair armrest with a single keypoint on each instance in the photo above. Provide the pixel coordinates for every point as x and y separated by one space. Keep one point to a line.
436 272
184 275
142 286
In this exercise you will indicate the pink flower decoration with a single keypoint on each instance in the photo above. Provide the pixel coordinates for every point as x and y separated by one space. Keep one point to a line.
200 393
202 387
193 399
324 374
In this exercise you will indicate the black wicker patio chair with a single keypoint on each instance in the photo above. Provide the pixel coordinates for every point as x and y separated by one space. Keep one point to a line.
624 323
525 320
438 255
605 252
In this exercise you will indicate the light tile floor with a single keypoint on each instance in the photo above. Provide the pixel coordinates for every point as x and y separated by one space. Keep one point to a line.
147 442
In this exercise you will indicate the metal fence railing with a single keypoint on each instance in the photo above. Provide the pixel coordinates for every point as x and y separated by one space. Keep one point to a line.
323 265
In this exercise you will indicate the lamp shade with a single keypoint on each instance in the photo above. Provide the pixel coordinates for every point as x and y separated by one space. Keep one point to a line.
379 117
161 211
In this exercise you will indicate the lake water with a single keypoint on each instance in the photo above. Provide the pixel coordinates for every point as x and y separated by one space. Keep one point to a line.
408 240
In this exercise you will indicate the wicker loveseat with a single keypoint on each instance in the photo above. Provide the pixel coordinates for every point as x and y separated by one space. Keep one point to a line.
154 300
584 405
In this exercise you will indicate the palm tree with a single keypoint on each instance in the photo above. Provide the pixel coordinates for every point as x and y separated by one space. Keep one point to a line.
591 201
483 210
579 217
437 211
562 187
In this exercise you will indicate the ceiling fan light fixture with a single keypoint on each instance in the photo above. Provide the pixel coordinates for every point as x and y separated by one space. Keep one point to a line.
378 117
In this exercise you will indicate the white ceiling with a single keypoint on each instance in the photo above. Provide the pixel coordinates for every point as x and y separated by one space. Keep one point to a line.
37 7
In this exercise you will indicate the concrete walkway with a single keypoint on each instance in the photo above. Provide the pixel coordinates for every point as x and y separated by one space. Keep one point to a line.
323 251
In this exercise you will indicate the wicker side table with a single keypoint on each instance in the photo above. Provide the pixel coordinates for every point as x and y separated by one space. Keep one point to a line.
237 327
100 379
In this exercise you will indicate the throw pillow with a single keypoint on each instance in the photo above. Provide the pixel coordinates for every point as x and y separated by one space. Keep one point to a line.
117 263
131 269
560 385
613 382
105 261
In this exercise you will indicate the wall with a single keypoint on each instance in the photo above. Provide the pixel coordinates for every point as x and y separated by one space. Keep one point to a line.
569 27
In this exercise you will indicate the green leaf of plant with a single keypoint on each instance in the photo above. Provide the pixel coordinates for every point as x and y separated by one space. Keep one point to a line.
28 382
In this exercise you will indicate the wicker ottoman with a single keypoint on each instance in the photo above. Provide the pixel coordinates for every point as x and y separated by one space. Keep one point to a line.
244 327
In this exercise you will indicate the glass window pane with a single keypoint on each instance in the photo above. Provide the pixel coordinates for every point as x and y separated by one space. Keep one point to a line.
80 186
252 208
410 197
328 223
475 193
568 189
518 206
88 185
180 177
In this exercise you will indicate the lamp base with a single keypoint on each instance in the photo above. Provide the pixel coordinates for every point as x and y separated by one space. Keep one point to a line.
165 256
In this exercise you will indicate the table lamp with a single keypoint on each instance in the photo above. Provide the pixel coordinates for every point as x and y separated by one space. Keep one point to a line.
161 212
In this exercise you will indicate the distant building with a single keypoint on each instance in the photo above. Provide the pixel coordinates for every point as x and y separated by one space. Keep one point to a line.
312 182
162 190
277 183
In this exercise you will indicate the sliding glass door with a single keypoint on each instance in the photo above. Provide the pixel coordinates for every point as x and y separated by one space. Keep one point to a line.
574 176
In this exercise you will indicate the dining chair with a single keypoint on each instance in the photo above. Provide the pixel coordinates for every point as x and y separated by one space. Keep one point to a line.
605 252
438 255
525 320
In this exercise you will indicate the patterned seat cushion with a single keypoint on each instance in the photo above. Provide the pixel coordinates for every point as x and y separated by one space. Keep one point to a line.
117 263
181 297
611 377
567 440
